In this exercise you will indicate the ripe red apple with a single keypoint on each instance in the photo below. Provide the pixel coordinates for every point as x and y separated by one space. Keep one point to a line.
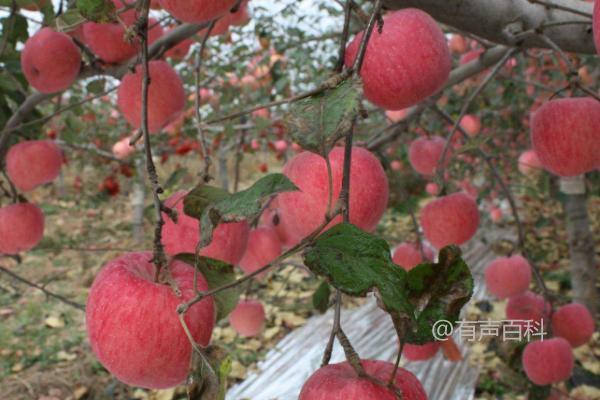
574 323
565 135
396 165
32 163
596 25
303 211
548 361
406 63
528 306
248 318
228 243
471 124
238 18
397 115
415 352
108 40
432 188
122 149
340 382
496 215
271 217
166 96
198 10
458 44
133 325
529 163
424 154
21 227
451 219
263 247
39 61
408 255
508 276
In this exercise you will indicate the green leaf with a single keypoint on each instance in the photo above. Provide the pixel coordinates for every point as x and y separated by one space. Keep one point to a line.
174 178
97 10
14 29
321 296
438 291
243 205
217 273
96 86
69 20
201 197
317 122
357 262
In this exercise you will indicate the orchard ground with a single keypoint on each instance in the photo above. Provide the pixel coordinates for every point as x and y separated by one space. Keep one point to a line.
43 348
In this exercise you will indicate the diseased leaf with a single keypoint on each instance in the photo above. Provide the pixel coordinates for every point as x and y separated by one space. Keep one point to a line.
438 291
208 374
200 197
357 262
321 296
243 205
317 122
217 273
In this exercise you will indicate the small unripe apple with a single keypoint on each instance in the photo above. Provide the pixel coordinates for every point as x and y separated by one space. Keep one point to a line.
573 322
565 135
166 96
32 163
132 322
21 227
432 188
548 361
508 276
451 219
40 65
458 44
405 63
496 215
248 318
340 382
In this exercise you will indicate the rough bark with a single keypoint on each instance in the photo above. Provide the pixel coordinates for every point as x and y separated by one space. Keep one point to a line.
498 20
584 273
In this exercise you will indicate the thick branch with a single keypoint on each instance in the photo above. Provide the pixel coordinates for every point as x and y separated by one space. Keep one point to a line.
497 20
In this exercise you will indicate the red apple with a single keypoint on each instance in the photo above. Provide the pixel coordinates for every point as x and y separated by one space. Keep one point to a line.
32 163
406 63
451 219
527 306
508 276
248 318
565 135
340 382
303 211
263 247
198 10
471 124
21 227
408 255
228 243
415 352
166 96
133 325
122 149
424 154
574 323
548 361
39 61
529 163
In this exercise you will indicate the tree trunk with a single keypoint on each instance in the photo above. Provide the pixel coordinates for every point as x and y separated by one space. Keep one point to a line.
584 273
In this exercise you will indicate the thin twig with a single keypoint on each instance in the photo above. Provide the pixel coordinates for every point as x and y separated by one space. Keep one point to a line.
548 4
44 290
